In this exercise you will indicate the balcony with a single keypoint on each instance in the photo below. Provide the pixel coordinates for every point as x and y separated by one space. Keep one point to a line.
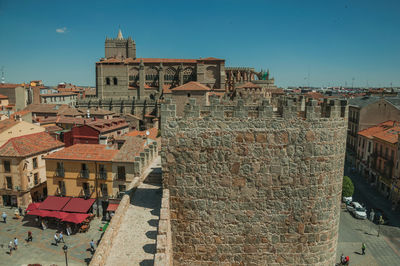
103 175
84 173
60 172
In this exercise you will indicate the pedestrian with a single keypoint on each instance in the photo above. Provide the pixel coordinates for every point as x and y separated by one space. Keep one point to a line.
20 210
363 248
56 238
372 215
342 259
61 237
10 247
4 215
15 243
92 246
30 238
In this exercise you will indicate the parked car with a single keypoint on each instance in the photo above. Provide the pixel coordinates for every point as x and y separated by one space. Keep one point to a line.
357 210
347 200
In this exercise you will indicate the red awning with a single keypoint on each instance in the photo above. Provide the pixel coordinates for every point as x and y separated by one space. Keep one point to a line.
41 213
76 218
54 203
58 215
112 207
32 206
78 205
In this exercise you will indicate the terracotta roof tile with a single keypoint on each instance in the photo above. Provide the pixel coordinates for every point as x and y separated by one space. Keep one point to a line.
371 131
248 85
191 86
85 152
153 133
389 135
31 144
3 96
6 124
59 94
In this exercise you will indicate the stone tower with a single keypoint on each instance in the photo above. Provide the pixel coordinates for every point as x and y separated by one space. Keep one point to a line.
120 47
250 186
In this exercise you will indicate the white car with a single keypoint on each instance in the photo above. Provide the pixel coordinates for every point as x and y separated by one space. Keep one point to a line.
347 199
357 210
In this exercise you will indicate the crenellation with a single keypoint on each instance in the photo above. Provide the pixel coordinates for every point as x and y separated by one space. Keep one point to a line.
238 181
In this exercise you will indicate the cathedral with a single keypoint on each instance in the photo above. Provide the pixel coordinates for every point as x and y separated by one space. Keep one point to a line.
133 85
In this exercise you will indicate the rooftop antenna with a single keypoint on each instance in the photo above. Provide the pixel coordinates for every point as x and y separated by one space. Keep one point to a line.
2 75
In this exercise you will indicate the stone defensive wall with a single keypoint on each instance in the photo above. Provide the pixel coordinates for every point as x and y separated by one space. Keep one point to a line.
163 257
252 186
142 163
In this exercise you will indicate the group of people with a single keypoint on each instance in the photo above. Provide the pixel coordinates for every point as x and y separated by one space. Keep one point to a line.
58 237
346 260
13 245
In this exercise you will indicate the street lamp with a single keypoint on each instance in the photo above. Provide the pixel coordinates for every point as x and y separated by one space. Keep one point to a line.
65 248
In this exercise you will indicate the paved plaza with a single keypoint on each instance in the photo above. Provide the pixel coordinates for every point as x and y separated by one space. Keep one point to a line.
42 249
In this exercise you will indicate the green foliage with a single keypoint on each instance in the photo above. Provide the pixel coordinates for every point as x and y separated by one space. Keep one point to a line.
348 187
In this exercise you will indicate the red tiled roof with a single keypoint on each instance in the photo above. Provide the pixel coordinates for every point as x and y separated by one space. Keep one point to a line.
85 152
389 135
166 89
371 131
3 96
26 145
6 124
248 85
20 113
10 85
210 59
153 133
191 86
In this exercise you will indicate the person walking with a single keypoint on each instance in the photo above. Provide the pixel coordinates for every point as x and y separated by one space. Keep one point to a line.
30 238
10 247
372 215
15 243
20 210
61 237
56 238
92 246
4 216
363 248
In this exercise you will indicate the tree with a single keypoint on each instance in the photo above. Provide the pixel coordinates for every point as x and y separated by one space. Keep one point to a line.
348 187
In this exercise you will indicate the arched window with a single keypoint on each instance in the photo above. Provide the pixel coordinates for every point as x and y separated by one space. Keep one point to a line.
108 81
115 81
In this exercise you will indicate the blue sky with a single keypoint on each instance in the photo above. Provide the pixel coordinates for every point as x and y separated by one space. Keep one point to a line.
334 42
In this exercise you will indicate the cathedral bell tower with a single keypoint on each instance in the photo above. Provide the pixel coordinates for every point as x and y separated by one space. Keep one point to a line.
119 47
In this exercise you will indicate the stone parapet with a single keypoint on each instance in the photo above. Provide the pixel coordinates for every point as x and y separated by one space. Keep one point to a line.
163 256
250 186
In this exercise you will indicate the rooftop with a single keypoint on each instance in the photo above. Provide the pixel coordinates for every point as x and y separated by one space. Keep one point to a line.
31 144
85 152
371 131
191 86
153 133
6 124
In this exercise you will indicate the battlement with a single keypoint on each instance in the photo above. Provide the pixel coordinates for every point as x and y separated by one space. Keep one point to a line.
288 107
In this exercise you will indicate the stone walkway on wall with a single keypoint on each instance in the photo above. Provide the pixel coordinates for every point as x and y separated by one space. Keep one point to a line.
135 243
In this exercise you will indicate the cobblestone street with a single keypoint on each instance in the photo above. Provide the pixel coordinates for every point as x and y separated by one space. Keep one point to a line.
41 249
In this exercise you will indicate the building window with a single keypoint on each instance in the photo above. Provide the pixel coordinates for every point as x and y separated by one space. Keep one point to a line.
108 82
84 171
60 169
9 182
102 172
34 162
7 166
369 146
61 188
104 190
36 178
86 189
121 173
115 81
188 95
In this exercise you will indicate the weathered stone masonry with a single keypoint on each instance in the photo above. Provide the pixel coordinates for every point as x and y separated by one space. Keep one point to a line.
254 187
